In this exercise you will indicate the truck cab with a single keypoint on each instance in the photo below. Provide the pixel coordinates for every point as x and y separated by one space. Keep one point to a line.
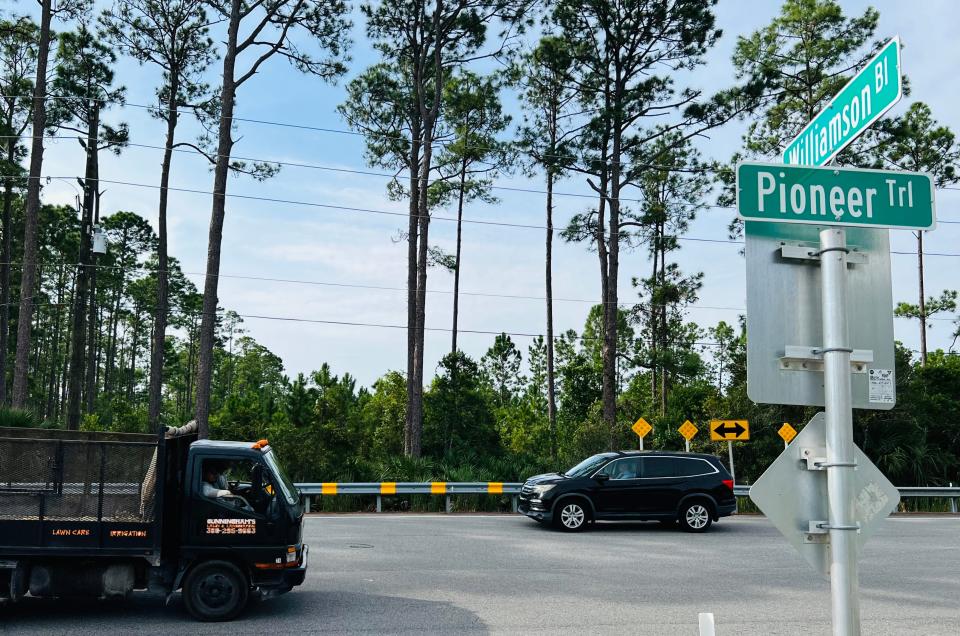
102 514
240 512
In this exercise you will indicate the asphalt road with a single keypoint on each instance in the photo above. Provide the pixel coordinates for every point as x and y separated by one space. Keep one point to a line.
391 574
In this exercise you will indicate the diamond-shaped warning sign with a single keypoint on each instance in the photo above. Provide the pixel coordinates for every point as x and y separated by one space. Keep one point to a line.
787 432
641 428
688 430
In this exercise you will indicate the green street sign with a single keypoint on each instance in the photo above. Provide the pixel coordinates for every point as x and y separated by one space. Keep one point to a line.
865 98
835 196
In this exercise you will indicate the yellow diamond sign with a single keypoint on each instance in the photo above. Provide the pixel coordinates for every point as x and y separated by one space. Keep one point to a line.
641 428
688 430
787 432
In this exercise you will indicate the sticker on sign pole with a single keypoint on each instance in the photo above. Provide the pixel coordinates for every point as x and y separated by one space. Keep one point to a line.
882 387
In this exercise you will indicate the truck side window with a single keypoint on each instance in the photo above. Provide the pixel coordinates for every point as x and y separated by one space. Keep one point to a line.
241 483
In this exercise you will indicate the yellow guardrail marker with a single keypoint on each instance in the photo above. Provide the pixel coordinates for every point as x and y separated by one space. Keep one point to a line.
438 488
495 487
328 488
388 488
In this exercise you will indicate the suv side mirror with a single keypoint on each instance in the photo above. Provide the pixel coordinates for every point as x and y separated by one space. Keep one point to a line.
602 477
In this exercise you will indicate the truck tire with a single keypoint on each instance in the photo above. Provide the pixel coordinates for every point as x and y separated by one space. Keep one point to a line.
215 591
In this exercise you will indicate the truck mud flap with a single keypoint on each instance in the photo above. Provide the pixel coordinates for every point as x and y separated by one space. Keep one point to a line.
19 581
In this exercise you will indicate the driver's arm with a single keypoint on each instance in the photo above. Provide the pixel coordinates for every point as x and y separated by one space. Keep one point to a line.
212 492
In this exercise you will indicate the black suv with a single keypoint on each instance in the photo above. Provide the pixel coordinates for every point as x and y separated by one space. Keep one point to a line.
691 489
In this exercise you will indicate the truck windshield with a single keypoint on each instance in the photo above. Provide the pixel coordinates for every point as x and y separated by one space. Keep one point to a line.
289 491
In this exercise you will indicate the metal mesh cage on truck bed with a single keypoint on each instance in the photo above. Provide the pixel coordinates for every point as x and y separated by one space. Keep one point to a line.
56 475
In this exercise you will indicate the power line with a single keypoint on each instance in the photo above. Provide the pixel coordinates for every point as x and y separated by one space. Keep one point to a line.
703 168
143 267
357 171
191 110
485 222
345 208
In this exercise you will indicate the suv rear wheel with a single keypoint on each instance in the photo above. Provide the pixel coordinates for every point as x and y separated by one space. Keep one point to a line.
695 516
572 515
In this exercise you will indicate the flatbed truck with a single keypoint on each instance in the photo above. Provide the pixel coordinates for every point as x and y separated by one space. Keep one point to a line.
102 514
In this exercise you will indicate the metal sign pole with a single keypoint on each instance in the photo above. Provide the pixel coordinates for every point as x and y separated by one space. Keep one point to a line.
730 452
839 433
641 443
688 444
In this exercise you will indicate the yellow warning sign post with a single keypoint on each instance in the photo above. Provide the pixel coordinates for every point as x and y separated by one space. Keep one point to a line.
730 431
688 430
787 432
641 427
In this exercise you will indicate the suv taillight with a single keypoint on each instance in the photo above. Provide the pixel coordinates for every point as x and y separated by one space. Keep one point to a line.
728 483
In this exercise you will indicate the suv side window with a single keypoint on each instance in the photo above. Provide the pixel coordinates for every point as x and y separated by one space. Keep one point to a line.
654 467
626 468
690 467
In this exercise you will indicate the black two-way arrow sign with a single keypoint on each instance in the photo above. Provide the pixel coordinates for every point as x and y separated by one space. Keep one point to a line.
726 430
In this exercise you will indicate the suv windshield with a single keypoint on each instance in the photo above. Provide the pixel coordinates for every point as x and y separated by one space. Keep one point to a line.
588 465
289 491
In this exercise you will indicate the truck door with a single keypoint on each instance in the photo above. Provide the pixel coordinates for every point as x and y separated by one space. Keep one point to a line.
228 503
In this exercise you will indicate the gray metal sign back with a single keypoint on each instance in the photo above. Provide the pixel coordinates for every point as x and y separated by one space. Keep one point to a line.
792 493
784 330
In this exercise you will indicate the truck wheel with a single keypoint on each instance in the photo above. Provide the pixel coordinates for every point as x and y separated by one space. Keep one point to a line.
215 591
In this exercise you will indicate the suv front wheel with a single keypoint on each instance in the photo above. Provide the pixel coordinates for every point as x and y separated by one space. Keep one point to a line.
695 516
571 516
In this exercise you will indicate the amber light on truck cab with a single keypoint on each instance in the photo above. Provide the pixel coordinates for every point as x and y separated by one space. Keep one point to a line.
260 444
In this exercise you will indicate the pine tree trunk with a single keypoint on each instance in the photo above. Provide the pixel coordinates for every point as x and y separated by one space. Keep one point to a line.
662 311
38 318
78 334
65 366
110 370
50 411
653 317
456 269
99 361
221 170
191 365
412 241
31 213
5 267
551 381
611 313
160 317
134 345
416 407
92 325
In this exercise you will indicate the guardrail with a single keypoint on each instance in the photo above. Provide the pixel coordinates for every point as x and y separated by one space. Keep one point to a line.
448 488
388 488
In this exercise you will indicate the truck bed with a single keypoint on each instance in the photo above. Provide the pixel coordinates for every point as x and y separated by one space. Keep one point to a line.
72 489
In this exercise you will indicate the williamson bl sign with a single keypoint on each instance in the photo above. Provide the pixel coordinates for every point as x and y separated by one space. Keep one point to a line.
871 93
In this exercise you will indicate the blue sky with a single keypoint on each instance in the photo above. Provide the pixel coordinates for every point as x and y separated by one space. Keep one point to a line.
276 240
